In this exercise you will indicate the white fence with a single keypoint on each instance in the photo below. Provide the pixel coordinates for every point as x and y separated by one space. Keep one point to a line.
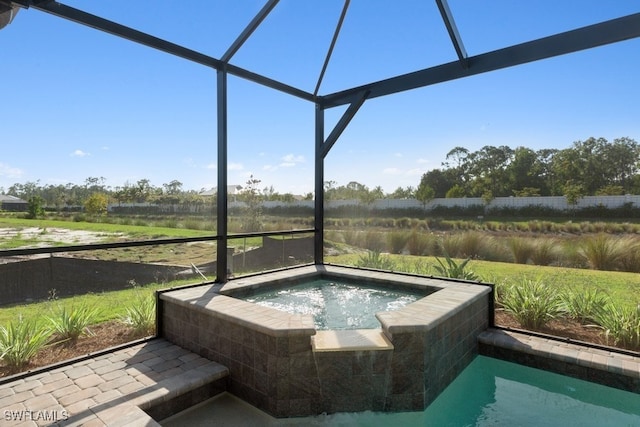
553 202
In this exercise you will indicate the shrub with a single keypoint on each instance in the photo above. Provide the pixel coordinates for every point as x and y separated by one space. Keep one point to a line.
601 252
419 243
621 325
544 252
374 241
396 241
629 254
450 245
521 249
584 305
454 270
20 341
532 303
375 260
470 244
69 324
141 316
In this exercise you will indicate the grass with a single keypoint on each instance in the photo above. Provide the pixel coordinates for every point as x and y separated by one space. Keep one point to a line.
137 231
109 305
623 288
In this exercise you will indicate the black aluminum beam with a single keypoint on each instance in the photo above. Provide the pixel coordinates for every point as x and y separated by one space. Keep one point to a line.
222 209
318 243
452 29
244 36
334 39
63 11
615 30
342 124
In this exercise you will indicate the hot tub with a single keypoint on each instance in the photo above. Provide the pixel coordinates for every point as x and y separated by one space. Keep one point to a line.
281 363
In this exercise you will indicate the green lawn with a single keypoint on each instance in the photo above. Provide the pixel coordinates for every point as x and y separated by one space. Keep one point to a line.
623 288
110 305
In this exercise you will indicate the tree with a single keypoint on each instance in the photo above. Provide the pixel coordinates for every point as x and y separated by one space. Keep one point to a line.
425 193
573 192
35 207
455 192
96 204
252 213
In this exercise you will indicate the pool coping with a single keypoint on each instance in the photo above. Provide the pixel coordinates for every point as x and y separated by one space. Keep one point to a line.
602 366
447 298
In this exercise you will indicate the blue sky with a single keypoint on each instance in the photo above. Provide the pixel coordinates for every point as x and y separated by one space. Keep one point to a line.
78 103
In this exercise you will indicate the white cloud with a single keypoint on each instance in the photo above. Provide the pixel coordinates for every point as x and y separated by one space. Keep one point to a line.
211 166
269 168
80 153
235 166
422 161
397 154
8 171
287 164
291 158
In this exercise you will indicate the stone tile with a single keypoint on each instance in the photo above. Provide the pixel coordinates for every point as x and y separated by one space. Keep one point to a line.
83 394
27 385
54 377
117 383
39 403
72 388
89 381
111 367
78 372
16 398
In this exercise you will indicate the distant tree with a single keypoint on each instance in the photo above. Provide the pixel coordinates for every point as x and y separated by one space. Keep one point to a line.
455 192
96 204
610 190
425 193
527 192
252 213
573 192
35 207
403 193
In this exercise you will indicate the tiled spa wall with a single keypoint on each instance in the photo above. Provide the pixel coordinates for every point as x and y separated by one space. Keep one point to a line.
276 370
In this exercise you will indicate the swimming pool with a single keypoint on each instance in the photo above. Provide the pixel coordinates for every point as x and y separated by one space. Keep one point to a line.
337 305
489 392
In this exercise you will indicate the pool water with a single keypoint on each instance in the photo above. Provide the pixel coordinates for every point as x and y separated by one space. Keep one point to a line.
336 305
489 392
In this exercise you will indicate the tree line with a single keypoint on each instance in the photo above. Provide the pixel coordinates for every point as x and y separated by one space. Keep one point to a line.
590 167
587 168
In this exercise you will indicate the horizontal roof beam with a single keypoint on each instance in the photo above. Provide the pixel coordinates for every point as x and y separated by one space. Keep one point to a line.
615 30
93 21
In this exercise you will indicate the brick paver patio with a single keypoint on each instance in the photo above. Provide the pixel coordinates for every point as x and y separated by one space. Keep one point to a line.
113 389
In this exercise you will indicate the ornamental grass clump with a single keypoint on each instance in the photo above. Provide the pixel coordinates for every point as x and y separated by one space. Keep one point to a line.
585 305
621 325
141 316
375 260
454 270
532 303
69 323
20 341
601 252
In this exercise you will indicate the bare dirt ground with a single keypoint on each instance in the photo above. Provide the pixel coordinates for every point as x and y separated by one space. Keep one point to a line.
47 236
